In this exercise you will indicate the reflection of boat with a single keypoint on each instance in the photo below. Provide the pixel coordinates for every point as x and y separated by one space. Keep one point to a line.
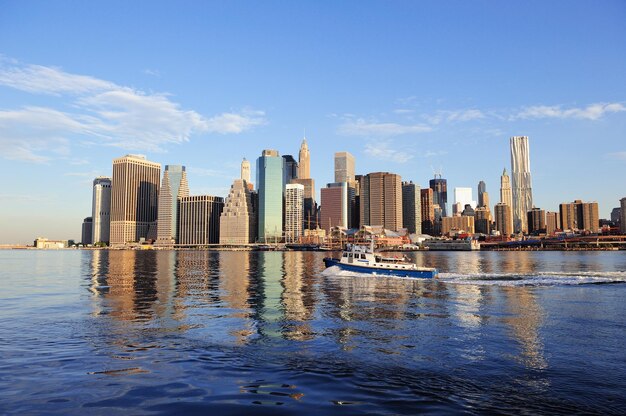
453 245
302 246
364 260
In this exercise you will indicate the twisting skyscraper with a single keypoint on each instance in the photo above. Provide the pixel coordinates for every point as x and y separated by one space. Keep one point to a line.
522 185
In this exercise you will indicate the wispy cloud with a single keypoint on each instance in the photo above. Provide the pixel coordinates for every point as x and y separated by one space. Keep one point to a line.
617 155
360 127
590 112
103 112
152 72
451 116
215 173
383 150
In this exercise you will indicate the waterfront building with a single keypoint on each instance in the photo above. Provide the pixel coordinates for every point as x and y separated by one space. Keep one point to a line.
522 184
506 197
462 197
173 187
335 204
504 219
381 200
482 220
238 218
134 198
580 216
552 222
457 225
411 207
622 219
427 211
294 212
200 219
440 193
536 221
290 170
101 211
87 229
304 159
344 168
270 185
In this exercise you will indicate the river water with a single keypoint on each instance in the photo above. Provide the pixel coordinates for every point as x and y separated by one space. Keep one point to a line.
197 332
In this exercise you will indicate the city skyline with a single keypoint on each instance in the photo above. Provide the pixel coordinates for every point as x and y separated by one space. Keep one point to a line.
396 102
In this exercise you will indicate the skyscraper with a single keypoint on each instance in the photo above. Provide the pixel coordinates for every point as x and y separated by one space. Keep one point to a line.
428 211
381 200
134 198
579 215
504 222
334 209
522 184
87 229
462 197
291 169
269 170
506 198
411 207
536 221
294 212
344 167
482 220
238 218
101 210
552 222
200 219
304 160
245 170
440 193
173 187
482 190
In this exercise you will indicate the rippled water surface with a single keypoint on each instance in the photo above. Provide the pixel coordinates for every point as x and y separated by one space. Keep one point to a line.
197 332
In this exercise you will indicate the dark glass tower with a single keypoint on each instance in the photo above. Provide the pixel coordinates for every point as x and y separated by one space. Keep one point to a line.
440 193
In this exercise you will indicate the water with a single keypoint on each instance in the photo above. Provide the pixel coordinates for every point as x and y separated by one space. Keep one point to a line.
145 332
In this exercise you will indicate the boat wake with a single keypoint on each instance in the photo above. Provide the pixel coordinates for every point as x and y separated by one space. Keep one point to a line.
506 279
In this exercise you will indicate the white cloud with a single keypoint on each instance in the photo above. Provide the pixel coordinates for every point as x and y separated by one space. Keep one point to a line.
617 155
452 116
590 112
104 113
382 150
360 127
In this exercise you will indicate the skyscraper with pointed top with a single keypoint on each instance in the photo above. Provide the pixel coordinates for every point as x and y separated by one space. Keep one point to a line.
505 208
521 184
304 161
304 178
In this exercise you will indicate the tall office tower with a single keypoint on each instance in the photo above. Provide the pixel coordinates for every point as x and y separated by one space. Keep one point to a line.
615 215
101 210
579 215
304 159
291 169
411 207
344 167
238 219
536 221
506 197
294 212
440 193
482 220
173 187
522 184
381 200
552 222
86 231
134 198
200 219
463 196
482 189
245 170
334 209
269 170
504 219
428 211
622 220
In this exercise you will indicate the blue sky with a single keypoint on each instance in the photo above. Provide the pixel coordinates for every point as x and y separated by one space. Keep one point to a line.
405 86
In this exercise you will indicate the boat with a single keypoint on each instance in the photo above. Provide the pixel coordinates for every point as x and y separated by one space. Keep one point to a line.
452 245
362 259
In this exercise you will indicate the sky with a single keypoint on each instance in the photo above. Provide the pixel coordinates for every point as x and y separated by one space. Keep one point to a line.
407 87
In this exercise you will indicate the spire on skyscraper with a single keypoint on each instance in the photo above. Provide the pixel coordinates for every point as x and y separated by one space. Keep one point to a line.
304 161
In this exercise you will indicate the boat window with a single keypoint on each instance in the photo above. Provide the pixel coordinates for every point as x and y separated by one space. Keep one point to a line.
345 254
363 256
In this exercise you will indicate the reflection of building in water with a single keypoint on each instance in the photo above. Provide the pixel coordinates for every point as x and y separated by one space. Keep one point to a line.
234 285
98 282
121 281
270 307
518 263
293 297
165 282
525 324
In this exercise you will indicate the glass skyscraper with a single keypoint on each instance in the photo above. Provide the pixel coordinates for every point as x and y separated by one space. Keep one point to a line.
269 170
440 193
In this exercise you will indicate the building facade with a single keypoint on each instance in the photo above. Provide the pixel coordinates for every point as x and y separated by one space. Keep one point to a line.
536 221
506 197
522 183
294 212
200 219
238 219
622 220
462 197
552 222
270 190
134 198
86 231
580 216
440 193
101 210
381 200
482 220
304 160
290 170
173 187
245 170
344 168
427 211
458 224
334 208
504 219
412 207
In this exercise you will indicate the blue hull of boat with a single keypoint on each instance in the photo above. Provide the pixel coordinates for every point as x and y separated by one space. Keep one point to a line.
417 274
